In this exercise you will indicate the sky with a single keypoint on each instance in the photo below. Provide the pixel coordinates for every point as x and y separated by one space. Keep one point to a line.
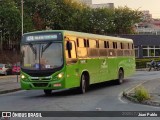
152 5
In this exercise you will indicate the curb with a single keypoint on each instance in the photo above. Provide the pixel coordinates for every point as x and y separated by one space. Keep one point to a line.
146 102
9 91
142 69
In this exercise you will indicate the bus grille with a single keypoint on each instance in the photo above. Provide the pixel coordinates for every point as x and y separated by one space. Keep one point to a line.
40 84
35 79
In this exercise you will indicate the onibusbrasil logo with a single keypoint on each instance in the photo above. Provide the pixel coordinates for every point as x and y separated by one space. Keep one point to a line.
8 115
5 116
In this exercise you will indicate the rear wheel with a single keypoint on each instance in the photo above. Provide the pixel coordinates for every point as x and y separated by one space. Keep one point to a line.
120 77
48 92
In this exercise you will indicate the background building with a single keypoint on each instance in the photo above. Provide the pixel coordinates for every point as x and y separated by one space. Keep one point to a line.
147 39
103 5
87 2
145 45
148 25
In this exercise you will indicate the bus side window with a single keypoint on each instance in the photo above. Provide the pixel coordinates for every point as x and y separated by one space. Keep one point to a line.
68 49
115 45
110 45
122 46
71 53
106 44
92 44
81 42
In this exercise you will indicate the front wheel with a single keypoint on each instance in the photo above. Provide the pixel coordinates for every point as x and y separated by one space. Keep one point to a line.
120 77
83 85
48 92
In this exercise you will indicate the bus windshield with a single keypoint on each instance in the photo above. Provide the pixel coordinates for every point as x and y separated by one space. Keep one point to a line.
42 56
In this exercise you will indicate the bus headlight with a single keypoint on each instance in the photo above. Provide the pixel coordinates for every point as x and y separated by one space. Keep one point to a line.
60 75
22 76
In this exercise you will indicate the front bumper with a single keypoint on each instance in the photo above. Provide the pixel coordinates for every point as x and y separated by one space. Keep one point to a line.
56 85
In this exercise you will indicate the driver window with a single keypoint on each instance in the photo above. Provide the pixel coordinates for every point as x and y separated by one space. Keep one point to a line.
71 53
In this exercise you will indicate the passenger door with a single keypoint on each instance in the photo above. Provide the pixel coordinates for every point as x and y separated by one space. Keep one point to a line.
72 71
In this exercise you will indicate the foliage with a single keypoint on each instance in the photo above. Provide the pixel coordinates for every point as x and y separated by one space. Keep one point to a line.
124 19
9 18
141 94
64 14
142 63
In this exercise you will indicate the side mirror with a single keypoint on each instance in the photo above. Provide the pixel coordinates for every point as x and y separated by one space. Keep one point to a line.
69 45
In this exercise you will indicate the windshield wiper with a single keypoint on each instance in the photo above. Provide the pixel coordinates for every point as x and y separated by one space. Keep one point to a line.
45 47
33 50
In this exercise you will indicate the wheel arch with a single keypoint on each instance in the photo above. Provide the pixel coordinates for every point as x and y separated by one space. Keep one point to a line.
121 68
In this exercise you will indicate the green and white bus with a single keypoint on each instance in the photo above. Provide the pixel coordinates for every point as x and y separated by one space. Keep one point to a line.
61 59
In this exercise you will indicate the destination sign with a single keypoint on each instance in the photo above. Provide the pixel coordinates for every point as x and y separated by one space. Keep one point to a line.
41 37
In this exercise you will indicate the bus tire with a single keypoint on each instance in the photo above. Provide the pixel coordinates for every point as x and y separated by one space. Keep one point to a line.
48 92
83 85
120 77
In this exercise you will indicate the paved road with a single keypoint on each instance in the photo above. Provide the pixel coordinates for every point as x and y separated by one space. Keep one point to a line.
105 97
9 83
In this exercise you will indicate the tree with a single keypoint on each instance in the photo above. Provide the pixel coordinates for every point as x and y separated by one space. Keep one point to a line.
65 14
101 19
67 11
10 20
124 19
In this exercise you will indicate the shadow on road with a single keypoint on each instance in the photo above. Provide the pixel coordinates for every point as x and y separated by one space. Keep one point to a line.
74 92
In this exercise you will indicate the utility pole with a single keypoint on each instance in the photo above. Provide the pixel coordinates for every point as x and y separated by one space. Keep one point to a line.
45 12
22 14
1 47
1 42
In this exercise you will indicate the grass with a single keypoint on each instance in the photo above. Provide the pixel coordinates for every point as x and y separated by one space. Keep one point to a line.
141 94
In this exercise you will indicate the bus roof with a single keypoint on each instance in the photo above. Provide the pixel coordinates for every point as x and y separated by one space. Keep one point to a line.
85 35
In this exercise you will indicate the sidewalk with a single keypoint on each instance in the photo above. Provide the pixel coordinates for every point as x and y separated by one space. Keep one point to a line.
153 87
9 84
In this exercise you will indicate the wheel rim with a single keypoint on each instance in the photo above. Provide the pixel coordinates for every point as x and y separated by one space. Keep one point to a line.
120 76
